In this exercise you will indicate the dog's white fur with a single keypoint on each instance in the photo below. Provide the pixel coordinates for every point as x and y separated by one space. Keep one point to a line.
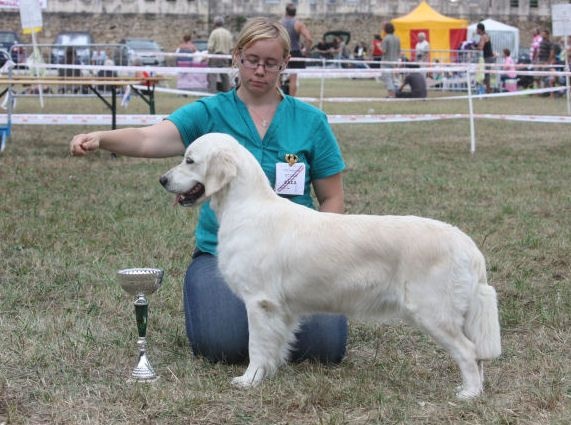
285 260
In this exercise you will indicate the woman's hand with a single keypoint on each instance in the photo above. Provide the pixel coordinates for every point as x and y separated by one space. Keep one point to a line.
155 141
83 143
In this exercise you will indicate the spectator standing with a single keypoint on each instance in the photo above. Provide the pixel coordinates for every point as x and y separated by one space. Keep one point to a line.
186 46
391 54
558 62
534 48
219 43
99 56
558 49
545 56
377 50
70 58
184 80
485 46
545 53
107 61
296 30
422 48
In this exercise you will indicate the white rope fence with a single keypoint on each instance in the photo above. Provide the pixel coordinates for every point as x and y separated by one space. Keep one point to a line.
142 119
467 72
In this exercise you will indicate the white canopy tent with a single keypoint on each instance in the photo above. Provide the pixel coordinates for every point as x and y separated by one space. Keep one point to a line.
502 36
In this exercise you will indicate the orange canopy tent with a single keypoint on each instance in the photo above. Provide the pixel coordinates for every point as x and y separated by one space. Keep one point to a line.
443 33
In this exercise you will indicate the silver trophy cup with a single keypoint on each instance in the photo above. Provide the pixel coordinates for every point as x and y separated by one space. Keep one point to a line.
141 282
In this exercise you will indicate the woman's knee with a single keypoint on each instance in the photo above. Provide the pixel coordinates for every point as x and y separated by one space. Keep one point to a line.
216 320
322 338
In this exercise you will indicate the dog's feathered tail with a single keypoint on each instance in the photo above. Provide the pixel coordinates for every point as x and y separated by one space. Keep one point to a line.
482 325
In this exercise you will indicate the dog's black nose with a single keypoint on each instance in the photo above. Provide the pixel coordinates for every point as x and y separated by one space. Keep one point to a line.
164 180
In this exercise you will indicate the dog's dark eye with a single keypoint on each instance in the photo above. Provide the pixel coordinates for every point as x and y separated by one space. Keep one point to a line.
189 161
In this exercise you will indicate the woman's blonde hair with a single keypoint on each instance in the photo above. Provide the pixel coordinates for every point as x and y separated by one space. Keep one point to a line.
257 29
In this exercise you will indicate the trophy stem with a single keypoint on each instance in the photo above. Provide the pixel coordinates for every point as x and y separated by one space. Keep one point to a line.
141 314
143 371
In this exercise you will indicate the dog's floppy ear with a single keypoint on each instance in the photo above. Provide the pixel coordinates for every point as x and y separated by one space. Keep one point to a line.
220 171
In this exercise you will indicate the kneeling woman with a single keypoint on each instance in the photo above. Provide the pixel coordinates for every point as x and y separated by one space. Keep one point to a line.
276 128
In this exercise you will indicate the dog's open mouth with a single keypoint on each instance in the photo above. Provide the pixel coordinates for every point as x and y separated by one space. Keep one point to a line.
188 198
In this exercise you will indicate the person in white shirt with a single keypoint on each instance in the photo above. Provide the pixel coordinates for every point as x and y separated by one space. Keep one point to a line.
422 49
220 42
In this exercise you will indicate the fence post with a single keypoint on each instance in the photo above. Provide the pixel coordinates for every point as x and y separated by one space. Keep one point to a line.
471 111
567 68
322 89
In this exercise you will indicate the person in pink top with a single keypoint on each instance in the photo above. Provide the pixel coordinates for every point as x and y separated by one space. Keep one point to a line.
508 68
534 48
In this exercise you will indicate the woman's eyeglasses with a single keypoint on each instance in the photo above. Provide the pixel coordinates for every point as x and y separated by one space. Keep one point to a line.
252 63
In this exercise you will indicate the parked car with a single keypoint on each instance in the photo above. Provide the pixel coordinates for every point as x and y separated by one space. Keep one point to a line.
77 42
139 51
4 56
9 41
201 45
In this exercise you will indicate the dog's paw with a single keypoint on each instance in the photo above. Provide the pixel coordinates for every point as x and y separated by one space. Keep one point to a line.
252 377
467 394
244 381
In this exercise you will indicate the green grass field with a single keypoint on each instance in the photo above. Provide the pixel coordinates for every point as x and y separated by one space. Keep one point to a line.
68 333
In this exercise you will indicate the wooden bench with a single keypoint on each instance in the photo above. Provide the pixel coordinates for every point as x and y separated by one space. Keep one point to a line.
95 84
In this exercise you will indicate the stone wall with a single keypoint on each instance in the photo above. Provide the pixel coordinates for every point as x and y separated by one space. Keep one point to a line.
168 30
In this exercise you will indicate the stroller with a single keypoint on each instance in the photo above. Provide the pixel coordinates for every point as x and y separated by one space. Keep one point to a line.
525 81
328 38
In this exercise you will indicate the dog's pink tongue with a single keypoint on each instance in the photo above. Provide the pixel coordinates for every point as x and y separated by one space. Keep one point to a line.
177 200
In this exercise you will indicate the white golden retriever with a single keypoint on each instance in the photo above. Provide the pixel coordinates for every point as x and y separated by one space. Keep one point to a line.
285 261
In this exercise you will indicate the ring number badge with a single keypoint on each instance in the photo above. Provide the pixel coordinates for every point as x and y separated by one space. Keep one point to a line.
290 176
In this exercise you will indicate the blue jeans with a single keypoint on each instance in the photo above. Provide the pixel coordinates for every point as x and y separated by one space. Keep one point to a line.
217 324
391 83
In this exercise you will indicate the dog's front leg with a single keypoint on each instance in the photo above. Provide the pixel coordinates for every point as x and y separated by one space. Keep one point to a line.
271 333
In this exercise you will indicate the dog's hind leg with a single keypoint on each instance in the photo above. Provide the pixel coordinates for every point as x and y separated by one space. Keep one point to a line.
271 332
462 350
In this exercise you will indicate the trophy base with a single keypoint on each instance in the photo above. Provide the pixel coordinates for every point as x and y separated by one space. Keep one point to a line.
143 372
144 375
143 380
